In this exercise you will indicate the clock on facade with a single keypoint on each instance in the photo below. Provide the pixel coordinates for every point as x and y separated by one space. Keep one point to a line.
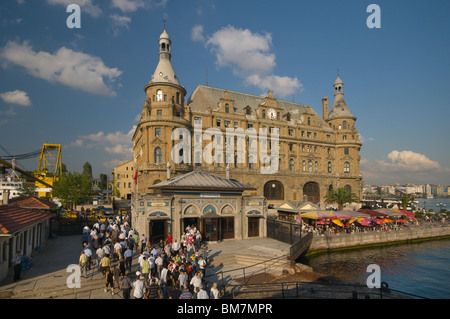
272 114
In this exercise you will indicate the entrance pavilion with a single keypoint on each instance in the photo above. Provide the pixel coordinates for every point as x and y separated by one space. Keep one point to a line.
215 205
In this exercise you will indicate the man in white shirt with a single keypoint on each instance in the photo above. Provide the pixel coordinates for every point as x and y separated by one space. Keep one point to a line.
175 247
139 288
143 241
196 282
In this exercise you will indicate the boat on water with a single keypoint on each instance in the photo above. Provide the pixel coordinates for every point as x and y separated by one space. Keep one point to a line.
11 183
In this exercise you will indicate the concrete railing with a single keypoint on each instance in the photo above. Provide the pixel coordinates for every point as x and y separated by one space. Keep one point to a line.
344 240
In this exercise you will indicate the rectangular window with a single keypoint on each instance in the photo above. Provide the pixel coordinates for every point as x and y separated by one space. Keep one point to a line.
157 131
291 132
218 123
197 120
158 112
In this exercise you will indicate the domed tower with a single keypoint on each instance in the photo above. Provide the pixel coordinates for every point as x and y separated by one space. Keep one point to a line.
348 145
163 111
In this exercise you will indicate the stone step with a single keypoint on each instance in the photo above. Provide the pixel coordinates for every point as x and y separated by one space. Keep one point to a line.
58 290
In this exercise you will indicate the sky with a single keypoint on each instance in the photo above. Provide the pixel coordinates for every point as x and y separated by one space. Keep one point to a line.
83 87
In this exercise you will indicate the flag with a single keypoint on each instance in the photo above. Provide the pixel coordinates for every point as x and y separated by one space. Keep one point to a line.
135 177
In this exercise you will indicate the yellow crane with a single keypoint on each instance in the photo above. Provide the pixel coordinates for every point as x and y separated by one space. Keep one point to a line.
49 169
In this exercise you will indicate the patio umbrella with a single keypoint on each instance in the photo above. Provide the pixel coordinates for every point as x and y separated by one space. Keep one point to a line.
405 212
337 222
349 214
364 221
387 220
388 212
372 213
319 214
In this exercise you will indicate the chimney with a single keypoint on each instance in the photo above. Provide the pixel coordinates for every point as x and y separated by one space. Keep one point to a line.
325 108
5 197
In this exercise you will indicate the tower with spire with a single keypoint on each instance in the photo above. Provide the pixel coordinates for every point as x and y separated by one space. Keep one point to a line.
342 121
163 111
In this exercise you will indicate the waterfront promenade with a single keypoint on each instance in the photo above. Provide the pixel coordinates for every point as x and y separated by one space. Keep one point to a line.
47 278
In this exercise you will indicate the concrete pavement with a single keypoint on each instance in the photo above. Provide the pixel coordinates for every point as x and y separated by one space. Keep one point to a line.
47 278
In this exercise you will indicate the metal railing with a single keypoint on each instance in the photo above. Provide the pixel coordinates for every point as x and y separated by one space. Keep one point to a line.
316 290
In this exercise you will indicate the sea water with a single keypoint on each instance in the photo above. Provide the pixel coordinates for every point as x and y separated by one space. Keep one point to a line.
421 268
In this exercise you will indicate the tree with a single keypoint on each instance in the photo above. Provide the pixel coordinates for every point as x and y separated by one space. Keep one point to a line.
405 200
87 170
103 181
341 196
73 189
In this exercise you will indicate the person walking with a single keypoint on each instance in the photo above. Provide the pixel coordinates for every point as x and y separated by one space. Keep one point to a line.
214 292
186 294
202 294
128 254
109 280
143 241
105 263
153 291
125 285
196 282
139 288
16 262
145 268
82 262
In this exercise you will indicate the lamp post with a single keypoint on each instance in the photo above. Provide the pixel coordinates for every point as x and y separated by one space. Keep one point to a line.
440 205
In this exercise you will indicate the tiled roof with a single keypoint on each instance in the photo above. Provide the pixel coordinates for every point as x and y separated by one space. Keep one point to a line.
13 219
202 180
32 202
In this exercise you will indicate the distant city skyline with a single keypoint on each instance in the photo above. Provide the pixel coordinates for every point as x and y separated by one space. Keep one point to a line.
83 88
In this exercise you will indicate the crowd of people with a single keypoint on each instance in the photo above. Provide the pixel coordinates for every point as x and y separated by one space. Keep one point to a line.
170 269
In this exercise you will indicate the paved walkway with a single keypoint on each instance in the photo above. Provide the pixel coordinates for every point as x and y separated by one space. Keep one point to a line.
48 276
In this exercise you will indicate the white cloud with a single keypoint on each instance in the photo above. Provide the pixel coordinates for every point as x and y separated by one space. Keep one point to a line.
282 85
117 143
408 161
403 167
16 97
197 33
74 69
248 54
85 5
128 5
121 21
134 5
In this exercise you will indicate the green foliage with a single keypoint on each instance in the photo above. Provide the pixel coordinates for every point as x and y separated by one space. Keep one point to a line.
73 189
103 181
87 170
341 196
406 200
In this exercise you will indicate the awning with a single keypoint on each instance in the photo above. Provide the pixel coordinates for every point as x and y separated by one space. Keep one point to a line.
319 215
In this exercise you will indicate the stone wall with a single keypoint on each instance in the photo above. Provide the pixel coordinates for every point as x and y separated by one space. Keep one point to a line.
330 242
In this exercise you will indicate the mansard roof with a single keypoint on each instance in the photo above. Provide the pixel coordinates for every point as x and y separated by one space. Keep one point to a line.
201 180
205 97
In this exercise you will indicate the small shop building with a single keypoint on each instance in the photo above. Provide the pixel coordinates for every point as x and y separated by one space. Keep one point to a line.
217 207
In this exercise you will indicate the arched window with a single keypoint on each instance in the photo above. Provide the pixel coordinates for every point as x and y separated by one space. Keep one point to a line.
310 166
344 125
291 165
329 167
304 166
274 190
158 155
159 95
316 166
346 167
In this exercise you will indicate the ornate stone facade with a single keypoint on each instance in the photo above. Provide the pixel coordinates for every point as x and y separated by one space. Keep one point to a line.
317 153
